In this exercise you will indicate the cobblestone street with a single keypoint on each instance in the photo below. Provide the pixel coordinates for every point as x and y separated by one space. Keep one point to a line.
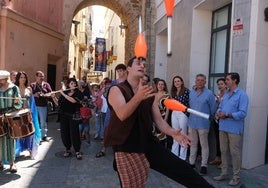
50 169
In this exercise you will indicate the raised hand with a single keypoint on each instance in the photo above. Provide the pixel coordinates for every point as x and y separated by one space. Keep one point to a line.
144 91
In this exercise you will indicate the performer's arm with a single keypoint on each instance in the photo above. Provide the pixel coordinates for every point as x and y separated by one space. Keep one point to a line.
124 109
163 126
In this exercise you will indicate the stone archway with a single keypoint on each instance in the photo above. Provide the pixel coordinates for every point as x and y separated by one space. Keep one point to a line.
128 11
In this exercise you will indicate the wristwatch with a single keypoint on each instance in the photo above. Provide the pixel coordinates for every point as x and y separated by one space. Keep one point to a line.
226 115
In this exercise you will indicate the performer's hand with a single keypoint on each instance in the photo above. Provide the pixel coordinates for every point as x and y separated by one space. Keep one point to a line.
182 139
144 91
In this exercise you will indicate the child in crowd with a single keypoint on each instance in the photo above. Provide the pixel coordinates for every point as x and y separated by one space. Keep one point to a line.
84 127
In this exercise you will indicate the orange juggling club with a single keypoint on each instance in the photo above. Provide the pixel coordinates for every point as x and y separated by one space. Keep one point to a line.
175 105
169 4
140 44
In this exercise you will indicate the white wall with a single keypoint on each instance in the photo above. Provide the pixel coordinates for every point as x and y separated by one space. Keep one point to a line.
256 122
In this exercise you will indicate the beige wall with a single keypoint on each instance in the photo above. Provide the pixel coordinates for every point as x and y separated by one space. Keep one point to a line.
29 46
47 12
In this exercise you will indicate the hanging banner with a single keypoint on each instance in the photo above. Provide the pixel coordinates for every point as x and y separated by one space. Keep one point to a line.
100 55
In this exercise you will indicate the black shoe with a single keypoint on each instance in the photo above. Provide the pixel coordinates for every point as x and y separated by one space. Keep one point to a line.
192 165
96 137
203 170
1 167
45 139
100 154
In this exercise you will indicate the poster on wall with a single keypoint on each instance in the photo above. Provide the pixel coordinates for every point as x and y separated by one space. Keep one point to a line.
100 55
238 27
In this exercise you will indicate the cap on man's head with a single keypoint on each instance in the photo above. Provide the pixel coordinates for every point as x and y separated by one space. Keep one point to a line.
4 74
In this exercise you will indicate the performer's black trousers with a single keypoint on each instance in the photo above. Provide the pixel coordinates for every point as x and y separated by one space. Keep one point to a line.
165 162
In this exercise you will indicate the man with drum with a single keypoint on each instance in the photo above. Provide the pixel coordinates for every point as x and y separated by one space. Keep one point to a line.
10 100
39 88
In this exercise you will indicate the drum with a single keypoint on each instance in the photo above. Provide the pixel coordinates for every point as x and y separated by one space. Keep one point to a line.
3 129
20 123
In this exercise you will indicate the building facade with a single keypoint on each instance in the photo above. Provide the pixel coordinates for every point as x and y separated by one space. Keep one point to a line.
31 38
80 56
50 23
128 12
114 33
214 37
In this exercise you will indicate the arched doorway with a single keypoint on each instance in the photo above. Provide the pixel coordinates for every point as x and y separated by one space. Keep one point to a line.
128 11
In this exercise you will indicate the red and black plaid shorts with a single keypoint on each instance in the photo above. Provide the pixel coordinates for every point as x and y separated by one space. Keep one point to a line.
133 169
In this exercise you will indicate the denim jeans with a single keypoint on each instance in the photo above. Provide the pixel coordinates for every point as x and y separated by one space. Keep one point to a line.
106 121
99 123
42 114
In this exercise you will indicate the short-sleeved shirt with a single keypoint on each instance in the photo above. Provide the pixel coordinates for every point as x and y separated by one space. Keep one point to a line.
44 87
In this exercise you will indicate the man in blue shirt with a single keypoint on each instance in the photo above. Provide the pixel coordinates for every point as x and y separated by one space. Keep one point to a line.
232 112
203 100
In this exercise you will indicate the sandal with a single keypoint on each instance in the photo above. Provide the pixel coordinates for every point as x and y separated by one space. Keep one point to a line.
13 168
67 154
100 154
78 156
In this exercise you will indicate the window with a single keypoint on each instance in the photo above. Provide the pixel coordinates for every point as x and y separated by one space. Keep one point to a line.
74 65
220 43
75 29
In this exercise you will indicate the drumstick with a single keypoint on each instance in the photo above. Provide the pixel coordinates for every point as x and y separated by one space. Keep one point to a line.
175 105
13 98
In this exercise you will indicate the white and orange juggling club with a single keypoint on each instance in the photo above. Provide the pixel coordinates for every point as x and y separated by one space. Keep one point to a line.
169 4
140 48
175 105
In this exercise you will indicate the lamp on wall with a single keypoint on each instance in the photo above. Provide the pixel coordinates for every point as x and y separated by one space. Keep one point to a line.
266 14
75 22
121 26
